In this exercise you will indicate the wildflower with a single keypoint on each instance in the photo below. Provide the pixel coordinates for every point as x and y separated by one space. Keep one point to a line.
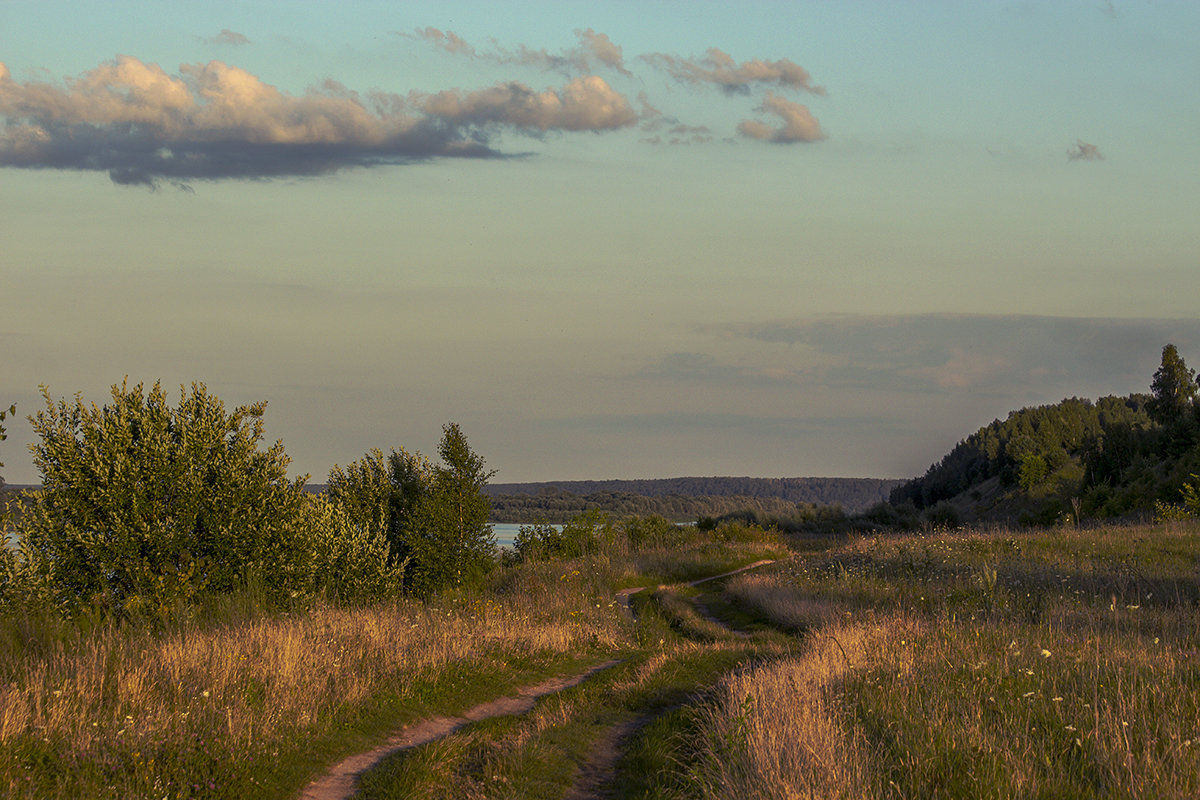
1045 653
204 693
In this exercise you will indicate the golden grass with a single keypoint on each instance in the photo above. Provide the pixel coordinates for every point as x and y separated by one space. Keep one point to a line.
139 705
772 731
972 665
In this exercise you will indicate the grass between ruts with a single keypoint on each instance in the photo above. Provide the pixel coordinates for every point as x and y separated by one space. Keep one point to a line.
541 754
239 702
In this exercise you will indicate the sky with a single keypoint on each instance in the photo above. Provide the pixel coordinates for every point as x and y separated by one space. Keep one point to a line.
608 239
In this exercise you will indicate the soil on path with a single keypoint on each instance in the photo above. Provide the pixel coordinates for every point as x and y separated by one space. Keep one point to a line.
596 772
340 782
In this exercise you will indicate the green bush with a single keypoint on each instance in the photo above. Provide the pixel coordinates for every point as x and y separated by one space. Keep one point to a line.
944 517
433 518
144 506
352 562
652 531
379 496
583 534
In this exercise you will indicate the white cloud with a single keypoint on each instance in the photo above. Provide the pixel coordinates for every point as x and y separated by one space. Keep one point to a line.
799 125
214 120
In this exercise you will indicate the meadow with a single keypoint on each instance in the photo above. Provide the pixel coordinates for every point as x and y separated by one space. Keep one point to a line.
1000 663
1059 663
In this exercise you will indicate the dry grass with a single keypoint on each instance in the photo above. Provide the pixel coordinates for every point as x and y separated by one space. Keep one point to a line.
972 665
139 712
243 703
772 732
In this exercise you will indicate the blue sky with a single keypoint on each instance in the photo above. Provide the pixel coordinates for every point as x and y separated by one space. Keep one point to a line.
626 239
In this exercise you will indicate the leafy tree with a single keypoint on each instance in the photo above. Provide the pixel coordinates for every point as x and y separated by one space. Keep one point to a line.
144 505
1173 388
380 495
352 562
450 540
1033 469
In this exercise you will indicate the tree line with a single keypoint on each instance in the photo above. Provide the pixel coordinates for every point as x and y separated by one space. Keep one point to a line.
558 506
852 494
1109 458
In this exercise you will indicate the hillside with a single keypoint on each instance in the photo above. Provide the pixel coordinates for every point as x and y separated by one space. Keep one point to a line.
1115 457
850 493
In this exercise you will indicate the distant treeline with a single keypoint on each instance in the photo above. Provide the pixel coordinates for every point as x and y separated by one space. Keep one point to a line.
559 507
682 498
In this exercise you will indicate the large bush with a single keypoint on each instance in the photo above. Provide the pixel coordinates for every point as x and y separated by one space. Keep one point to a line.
379 495
144 505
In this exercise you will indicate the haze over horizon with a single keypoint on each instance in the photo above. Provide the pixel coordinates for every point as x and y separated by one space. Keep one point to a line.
616 240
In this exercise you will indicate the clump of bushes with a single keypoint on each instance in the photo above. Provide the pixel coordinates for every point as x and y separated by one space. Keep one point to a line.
593 532
146 506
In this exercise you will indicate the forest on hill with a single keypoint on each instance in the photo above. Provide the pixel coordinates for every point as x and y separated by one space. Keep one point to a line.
682 498
1115 457
557 507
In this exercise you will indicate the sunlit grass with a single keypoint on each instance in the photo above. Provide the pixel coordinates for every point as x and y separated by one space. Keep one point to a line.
241 702
971 665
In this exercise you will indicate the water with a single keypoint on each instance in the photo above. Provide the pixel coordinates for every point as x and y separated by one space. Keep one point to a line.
507 531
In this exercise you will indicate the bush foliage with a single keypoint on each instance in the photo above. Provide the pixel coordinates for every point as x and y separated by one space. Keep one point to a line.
144 505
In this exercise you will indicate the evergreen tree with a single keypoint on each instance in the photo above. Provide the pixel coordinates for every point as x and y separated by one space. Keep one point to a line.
1173 389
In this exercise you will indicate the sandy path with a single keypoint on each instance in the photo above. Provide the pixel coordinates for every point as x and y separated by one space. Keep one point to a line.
340 782
596 772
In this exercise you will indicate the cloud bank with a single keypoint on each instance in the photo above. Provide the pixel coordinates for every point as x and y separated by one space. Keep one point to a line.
143 125
1010 356
715 69
211 121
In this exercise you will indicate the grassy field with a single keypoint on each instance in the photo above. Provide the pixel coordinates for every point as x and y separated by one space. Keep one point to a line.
1058 663
1004 664
239 702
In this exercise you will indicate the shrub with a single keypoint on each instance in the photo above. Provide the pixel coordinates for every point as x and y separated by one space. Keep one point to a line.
652 532
943 516
352 562
143 505
449 540
379 496
432 517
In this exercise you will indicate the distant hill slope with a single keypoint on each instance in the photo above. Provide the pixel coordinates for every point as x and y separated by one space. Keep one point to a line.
1102 459
853 494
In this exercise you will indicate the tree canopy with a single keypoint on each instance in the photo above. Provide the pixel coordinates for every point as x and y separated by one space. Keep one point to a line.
1173 389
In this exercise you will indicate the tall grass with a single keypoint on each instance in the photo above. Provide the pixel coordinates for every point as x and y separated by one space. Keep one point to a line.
240 702
971 665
